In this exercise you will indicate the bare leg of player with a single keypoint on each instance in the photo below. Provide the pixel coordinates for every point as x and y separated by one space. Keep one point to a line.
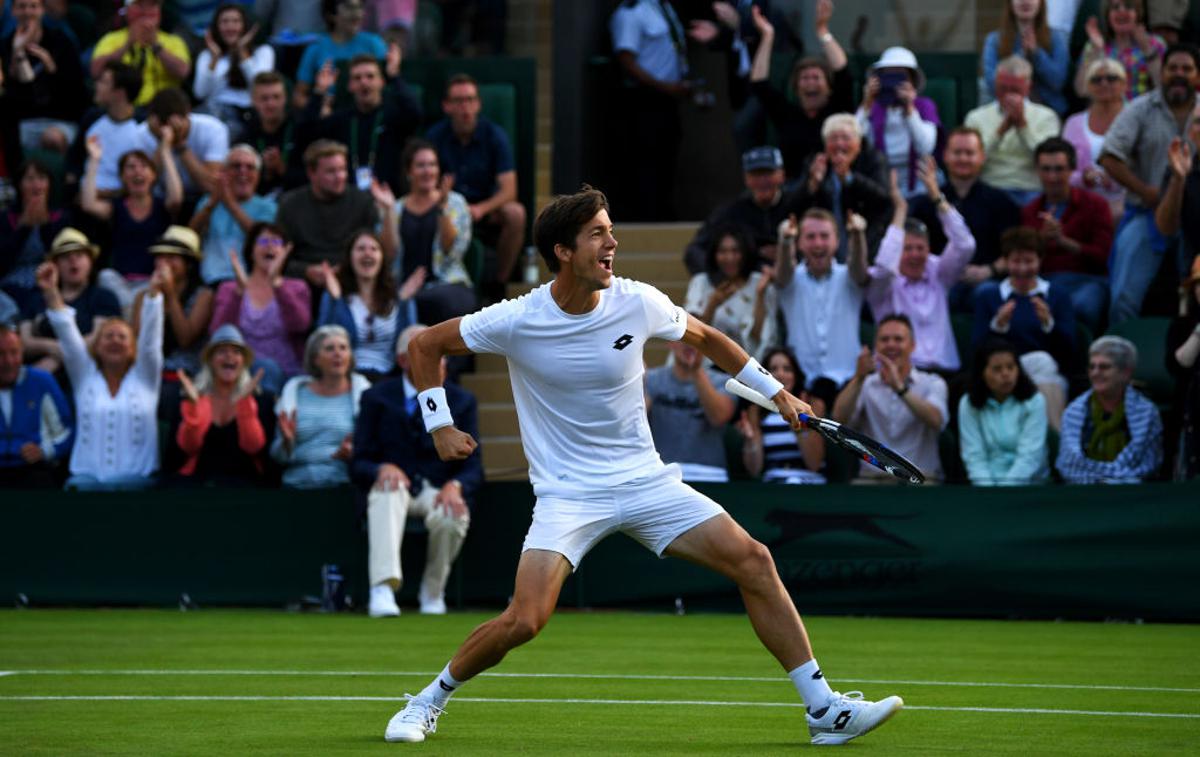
722 545
540 576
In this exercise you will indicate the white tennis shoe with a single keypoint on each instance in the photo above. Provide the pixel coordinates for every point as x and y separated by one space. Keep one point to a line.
849 716
414 722
382 602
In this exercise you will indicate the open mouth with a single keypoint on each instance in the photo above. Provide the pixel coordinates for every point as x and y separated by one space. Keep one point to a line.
606 262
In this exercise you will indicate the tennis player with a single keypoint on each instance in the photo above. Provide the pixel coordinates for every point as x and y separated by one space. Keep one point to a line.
574 349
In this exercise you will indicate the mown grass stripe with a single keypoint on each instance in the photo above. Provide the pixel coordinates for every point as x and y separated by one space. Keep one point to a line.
532 700
589 676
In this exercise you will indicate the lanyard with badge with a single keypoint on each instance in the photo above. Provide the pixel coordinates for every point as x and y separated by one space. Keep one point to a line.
285 145
363 174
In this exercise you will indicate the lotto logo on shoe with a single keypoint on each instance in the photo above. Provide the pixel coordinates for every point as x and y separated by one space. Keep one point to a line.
623 342
841 720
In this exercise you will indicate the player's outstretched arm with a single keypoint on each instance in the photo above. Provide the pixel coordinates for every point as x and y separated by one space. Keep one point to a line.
425 353
731 358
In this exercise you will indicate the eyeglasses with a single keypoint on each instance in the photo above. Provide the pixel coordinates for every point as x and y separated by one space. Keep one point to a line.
1104 79
462 100
1053 169
270 242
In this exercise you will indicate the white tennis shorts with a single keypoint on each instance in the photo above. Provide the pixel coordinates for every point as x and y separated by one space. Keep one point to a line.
655 510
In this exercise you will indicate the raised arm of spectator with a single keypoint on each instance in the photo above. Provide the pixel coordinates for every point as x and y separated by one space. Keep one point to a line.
178 66
834 54
760 70
171 180
785 260
856 248
148 365
89 197
455 226
1167 214
960 243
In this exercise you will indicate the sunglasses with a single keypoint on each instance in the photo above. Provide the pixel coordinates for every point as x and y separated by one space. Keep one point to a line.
270 242
1104 79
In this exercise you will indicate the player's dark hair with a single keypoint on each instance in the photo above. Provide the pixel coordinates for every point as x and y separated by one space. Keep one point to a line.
749 256
896 318
1052 145
977 389
1021 238
560 221
801 379
125 78
172 101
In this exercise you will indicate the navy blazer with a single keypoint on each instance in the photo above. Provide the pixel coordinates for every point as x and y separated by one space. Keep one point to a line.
387 433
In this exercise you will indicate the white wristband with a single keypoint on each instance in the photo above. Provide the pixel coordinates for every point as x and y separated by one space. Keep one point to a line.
435 410
759 379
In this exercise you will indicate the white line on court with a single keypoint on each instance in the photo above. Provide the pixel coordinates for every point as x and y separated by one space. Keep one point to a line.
506 700
592 676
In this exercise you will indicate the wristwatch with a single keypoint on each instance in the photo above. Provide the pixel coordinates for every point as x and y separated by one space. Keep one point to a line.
901 391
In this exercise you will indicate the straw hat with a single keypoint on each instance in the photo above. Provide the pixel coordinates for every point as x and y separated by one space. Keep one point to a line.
178 240
71 240
228 334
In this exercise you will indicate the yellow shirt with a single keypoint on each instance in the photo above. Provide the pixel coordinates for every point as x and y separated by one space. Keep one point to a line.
155 76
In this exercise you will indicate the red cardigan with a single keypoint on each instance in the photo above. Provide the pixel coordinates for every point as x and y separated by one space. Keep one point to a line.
1088 220
197 418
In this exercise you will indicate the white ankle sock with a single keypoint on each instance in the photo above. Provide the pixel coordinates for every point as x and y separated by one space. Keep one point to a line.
443 687
811 684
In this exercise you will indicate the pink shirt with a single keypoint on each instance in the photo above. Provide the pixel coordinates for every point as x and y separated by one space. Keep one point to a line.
924 300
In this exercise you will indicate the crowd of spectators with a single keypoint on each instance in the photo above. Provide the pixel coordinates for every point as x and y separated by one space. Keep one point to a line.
232 257
957 289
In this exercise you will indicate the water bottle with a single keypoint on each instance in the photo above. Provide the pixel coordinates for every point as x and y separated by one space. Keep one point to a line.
333 589
532 274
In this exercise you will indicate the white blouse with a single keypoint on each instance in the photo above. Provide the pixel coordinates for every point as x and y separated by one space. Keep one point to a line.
115 436
735 316
212 85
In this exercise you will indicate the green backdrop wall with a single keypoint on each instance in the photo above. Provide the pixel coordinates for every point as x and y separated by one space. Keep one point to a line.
1072 552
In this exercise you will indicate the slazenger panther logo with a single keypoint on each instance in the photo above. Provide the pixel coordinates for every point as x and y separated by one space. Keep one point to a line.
623 342
794 525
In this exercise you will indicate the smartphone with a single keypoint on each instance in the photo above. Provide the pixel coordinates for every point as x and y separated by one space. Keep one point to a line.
889 81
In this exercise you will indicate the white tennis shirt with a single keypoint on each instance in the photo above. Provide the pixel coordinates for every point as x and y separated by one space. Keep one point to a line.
577 381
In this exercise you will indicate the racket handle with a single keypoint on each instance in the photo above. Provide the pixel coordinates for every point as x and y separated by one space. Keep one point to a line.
733 386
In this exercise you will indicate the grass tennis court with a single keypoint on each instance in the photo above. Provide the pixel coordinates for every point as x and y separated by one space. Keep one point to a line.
227 682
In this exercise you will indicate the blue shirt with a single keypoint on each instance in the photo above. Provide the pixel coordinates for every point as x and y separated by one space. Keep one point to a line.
1049 68
225 234
324 48
477 164
321 425
650 29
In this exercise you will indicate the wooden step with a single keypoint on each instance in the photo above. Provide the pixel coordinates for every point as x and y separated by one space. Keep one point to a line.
655 237
489 386
498 419
650 266
503 459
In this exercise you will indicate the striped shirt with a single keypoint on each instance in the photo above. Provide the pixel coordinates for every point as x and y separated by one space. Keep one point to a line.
321 425
1141 457
783 461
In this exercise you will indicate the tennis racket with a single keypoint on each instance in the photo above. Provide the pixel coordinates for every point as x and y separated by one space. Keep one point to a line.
875 453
